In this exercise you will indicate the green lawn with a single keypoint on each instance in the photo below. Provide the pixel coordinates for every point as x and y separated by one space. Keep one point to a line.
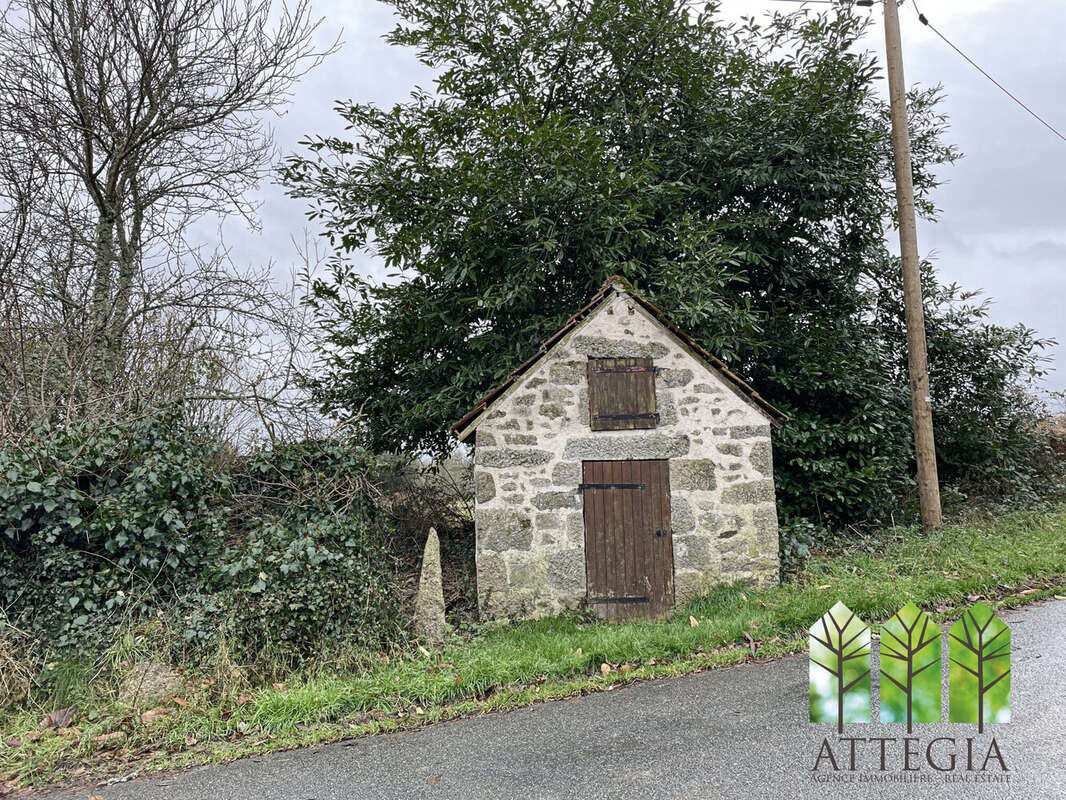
1009 560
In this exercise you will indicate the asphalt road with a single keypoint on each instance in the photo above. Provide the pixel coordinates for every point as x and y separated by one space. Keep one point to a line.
735 733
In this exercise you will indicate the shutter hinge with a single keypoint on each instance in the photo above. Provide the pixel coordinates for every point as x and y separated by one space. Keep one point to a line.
601 370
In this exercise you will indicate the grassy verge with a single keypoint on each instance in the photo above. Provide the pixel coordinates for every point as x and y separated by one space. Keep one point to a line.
1009 560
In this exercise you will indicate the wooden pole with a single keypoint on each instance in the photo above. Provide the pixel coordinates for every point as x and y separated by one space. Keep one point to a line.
925 451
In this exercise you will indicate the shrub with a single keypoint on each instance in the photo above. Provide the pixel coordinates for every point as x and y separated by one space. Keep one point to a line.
282 553
796 539
100 521
307 567
295 587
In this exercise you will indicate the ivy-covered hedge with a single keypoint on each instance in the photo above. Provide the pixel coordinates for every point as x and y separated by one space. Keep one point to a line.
103 521
104 526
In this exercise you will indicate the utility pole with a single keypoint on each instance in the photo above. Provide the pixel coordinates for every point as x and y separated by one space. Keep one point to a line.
921 411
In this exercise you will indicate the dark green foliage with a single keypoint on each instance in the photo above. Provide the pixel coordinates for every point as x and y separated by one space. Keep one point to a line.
986 423
309 570
301 586
796 538
283 553
96 518
738 175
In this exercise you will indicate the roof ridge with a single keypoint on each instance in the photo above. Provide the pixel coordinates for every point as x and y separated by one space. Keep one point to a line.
619 282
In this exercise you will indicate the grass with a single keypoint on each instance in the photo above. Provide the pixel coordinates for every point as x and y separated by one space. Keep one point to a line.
1008 560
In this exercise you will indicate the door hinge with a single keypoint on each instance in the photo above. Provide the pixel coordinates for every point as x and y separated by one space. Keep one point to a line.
649 415
662 532
618 600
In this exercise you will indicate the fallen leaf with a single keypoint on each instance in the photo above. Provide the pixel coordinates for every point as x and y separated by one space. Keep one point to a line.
605 668
424 651
179 702
1060 597
13 742
579 651
434 780
190 741
973 598
60 718
651 662
693 622
1029 591
458 678
113 739
825 586
419 711
751 642
280 687
244 699
152 715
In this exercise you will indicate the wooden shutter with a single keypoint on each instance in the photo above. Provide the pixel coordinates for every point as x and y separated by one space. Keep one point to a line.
621 394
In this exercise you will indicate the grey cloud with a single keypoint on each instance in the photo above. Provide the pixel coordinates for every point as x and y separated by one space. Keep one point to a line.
1011 185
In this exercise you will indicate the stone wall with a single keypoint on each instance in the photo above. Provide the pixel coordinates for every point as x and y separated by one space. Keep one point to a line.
529 449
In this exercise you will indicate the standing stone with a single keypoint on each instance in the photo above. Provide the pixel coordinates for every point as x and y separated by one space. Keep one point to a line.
429 605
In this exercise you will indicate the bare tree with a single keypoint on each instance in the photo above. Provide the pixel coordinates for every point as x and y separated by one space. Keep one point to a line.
122 123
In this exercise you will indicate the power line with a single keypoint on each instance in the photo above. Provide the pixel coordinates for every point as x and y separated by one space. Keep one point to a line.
922 19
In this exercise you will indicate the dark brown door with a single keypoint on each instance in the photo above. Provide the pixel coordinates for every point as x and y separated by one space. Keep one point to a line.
629 555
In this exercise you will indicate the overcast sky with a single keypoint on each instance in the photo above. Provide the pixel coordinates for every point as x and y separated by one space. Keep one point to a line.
1002 228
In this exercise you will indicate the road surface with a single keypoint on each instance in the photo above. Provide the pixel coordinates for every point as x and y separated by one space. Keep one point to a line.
734 733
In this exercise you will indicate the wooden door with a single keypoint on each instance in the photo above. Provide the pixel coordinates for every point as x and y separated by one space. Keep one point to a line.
629 555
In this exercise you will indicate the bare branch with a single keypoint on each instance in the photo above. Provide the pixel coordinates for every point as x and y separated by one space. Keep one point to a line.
122 125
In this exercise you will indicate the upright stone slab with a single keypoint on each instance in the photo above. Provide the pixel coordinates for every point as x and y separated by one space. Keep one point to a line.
429 605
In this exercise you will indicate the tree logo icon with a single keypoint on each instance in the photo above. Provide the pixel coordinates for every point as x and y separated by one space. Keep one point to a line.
911 674
910 668
839 669
979 674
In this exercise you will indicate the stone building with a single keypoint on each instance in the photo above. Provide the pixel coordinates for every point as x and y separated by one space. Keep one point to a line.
623 468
